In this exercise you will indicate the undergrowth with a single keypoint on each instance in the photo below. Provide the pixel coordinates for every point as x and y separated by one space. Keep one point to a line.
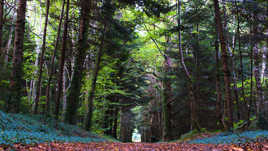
30 129
233 138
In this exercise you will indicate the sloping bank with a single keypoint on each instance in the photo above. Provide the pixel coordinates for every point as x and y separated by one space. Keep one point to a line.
234 138
31 129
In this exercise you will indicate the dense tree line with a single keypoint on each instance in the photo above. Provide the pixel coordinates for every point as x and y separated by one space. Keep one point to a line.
164 67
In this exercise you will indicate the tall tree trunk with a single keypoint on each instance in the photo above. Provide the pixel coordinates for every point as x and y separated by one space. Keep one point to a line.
115 119
41 60
74 94
234 79
52 61
265 110
110 121
251 80
180 47
193 107
228 111
1 26
240 54
17 82
62 61
166 104
65 89
107 119
257 62
10 38
218 85
196 81
38 50
194 120
88 118
231 50
126 125
8 44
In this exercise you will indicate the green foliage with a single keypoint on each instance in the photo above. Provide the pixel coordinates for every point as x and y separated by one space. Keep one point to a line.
141 36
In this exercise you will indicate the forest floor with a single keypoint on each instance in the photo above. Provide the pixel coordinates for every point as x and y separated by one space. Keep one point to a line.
135 147
35 129
36 133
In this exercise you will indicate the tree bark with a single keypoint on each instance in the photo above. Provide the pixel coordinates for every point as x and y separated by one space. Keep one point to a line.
166 106
17 82
234 70
65 89
251 81
228 111
41 60
126 125
62 60
234 79
76 83
218 85
240 54
107 120
196 81
88 118
257 63
38 50
259 96
115 119
52 61
194 120
8 45
1 26
232 60
265 111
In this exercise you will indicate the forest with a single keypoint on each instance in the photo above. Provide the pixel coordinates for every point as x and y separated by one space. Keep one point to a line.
184 71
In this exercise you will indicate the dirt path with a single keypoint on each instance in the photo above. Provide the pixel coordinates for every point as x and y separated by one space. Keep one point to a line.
135 147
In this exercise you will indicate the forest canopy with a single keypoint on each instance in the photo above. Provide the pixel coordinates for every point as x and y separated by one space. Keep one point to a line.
158 67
